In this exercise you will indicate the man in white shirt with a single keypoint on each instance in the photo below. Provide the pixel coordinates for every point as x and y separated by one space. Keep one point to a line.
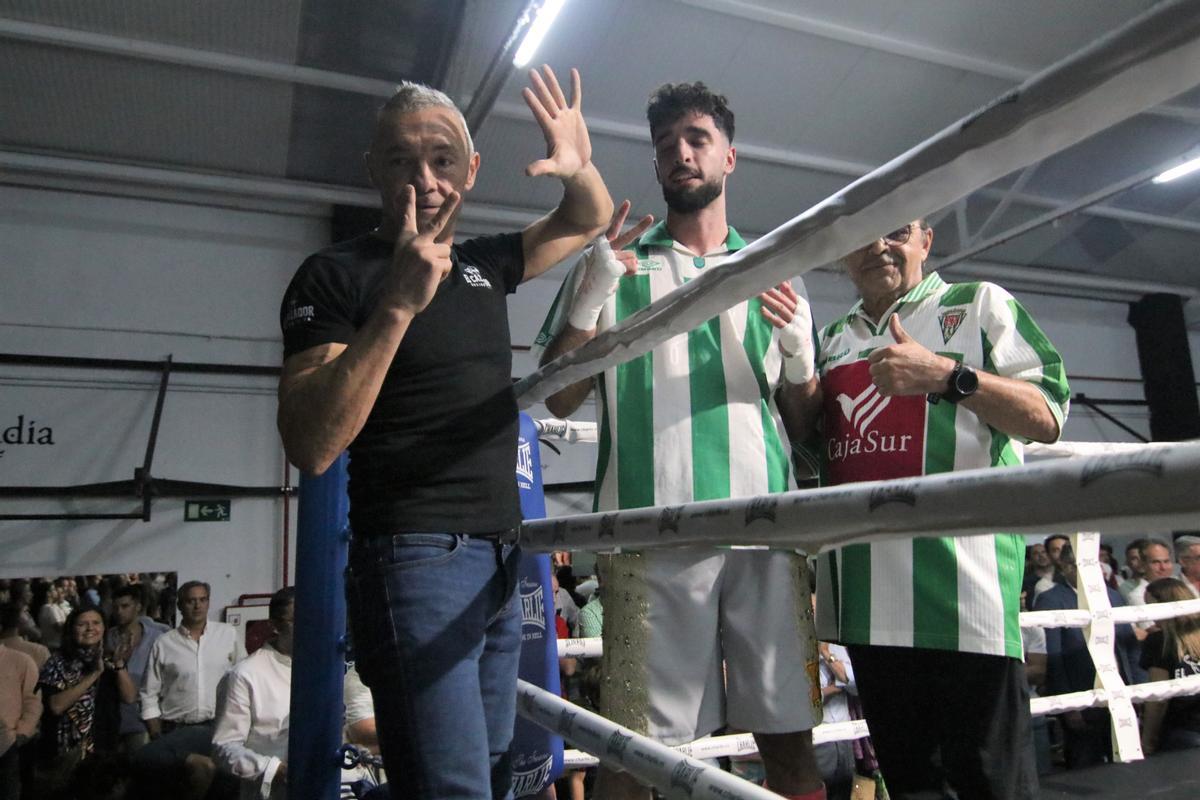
1157 563
1133 562
1187 550
250 737
179 694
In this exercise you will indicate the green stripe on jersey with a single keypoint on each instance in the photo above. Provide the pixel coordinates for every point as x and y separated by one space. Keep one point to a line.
1010 560
935 593
940 433
710 414
634 396
756 341
856 606
959 294
1054 379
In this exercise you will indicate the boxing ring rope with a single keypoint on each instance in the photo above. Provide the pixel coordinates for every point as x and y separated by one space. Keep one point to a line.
1146 62
1063 495
1062 481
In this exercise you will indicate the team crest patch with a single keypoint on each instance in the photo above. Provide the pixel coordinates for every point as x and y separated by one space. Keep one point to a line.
950 321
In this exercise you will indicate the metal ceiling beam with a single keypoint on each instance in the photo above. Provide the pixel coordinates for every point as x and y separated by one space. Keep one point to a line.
17 164
133 48
850 169
191 57
787 20
973 248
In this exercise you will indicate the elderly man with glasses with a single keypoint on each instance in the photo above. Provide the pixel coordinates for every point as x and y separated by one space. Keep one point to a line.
921 377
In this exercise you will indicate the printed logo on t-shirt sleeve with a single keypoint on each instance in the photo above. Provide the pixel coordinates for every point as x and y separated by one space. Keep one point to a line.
297 313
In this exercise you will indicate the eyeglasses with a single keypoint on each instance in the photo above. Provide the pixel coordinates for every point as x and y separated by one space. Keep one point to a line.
898 236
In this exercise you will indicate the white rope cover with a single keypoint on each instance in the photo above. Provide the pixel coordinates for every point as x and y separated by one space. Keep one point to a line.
1153 58
674 774
740 744
1122 493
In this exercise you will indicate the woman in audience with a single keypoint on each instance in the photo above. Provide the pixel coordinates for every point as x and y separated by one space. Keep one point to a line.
82 692
1172 652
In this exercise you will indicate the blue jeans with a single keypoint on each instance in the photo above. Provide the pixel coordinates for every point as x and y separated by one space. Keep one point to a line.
437 638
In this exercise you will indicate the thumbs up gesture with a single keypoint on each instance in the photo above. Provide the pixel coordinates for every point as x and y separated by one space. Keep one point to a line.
907 367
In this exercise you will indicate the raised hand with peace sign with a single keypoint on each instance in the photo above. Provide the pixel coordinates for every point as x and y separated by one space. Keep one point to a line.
421 258
603 266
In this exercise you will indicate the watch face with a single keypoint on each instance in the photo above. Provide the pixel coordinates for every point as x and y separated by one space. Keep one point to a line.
965 380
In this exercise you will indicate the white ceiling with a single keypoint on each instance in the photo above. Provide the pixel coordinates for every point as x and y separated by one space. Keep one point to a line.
270 102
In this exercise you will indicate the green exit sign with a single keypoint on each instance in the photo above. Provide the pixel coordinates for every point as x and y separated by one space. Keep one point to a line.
206 511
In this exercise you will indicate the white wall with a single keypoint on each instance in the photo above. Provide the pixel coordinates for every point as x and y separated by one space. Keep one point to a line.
111 277
86 275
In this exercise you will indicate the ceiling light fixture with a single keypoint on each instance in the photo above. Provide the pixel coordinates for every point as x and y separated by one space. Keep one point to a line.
537 31
1178 172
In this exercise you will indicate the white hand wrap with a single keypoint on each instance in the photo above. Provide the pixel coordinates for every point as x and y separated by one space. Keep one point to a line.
796 345
601 272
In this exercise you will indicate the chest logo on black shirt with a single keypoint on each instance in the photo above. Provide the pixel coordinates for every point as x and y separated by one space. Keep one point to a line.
475 278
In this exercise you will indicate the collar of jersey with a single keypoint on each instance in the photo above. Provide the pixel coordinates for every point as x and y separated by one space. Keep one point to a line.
658 236
928 285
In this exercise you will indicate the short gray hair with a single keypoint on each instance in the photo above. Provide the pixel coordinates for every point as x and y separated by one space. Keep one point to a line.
1184 542
411 96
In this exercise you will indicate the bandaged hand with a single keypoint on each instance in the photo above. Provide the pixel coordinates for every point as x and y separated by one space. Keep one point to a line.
790 313
602 270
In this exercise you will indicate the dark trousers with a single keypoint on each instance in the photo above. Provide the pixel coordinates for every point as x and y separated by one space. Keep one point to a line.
942 719
437 638
10 774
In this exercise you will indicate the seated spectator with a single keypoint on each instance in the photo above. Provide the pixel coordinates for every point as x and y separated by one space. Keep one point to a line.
1069 668
1110 565
360 730
1039 567
360 712
52 615
1054 544
1172 652
1134 571
21 593
82 694
250 737
1156 563
564 603
10 636
836 759
179 697
134 634
20 710
1187 551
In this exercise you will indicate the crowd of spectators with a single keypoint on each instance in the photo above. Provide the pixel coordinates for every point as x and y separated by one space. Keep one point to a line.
107 693
128 704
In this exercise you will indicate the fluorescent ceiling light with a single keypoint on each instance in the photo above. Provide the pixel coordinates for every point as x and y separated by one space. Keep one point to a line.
537 31
1178 172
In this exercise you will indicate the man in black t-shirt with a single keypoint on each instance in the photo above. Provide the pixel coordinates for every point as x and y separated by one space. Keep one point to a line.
397 346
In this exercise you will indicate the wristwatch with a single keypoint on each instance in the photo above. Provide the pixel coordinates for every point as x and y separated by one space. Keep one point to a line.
963 382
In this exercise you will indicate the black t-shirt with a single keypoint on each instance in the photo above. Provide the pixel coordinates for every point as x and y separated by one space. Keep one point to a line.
438 450
1183 712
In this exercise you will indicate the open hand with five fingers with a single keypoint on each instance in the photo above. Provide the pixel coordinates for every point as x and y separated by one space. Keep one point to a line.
421 258
568 148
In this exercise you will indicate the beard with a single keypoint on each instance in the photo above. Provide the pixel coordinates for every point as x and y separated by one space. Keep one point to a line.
690 200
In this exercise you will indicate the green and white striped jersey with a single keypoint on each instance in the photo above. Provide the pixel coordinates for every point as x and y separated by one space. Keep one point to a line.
695 418
945 593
